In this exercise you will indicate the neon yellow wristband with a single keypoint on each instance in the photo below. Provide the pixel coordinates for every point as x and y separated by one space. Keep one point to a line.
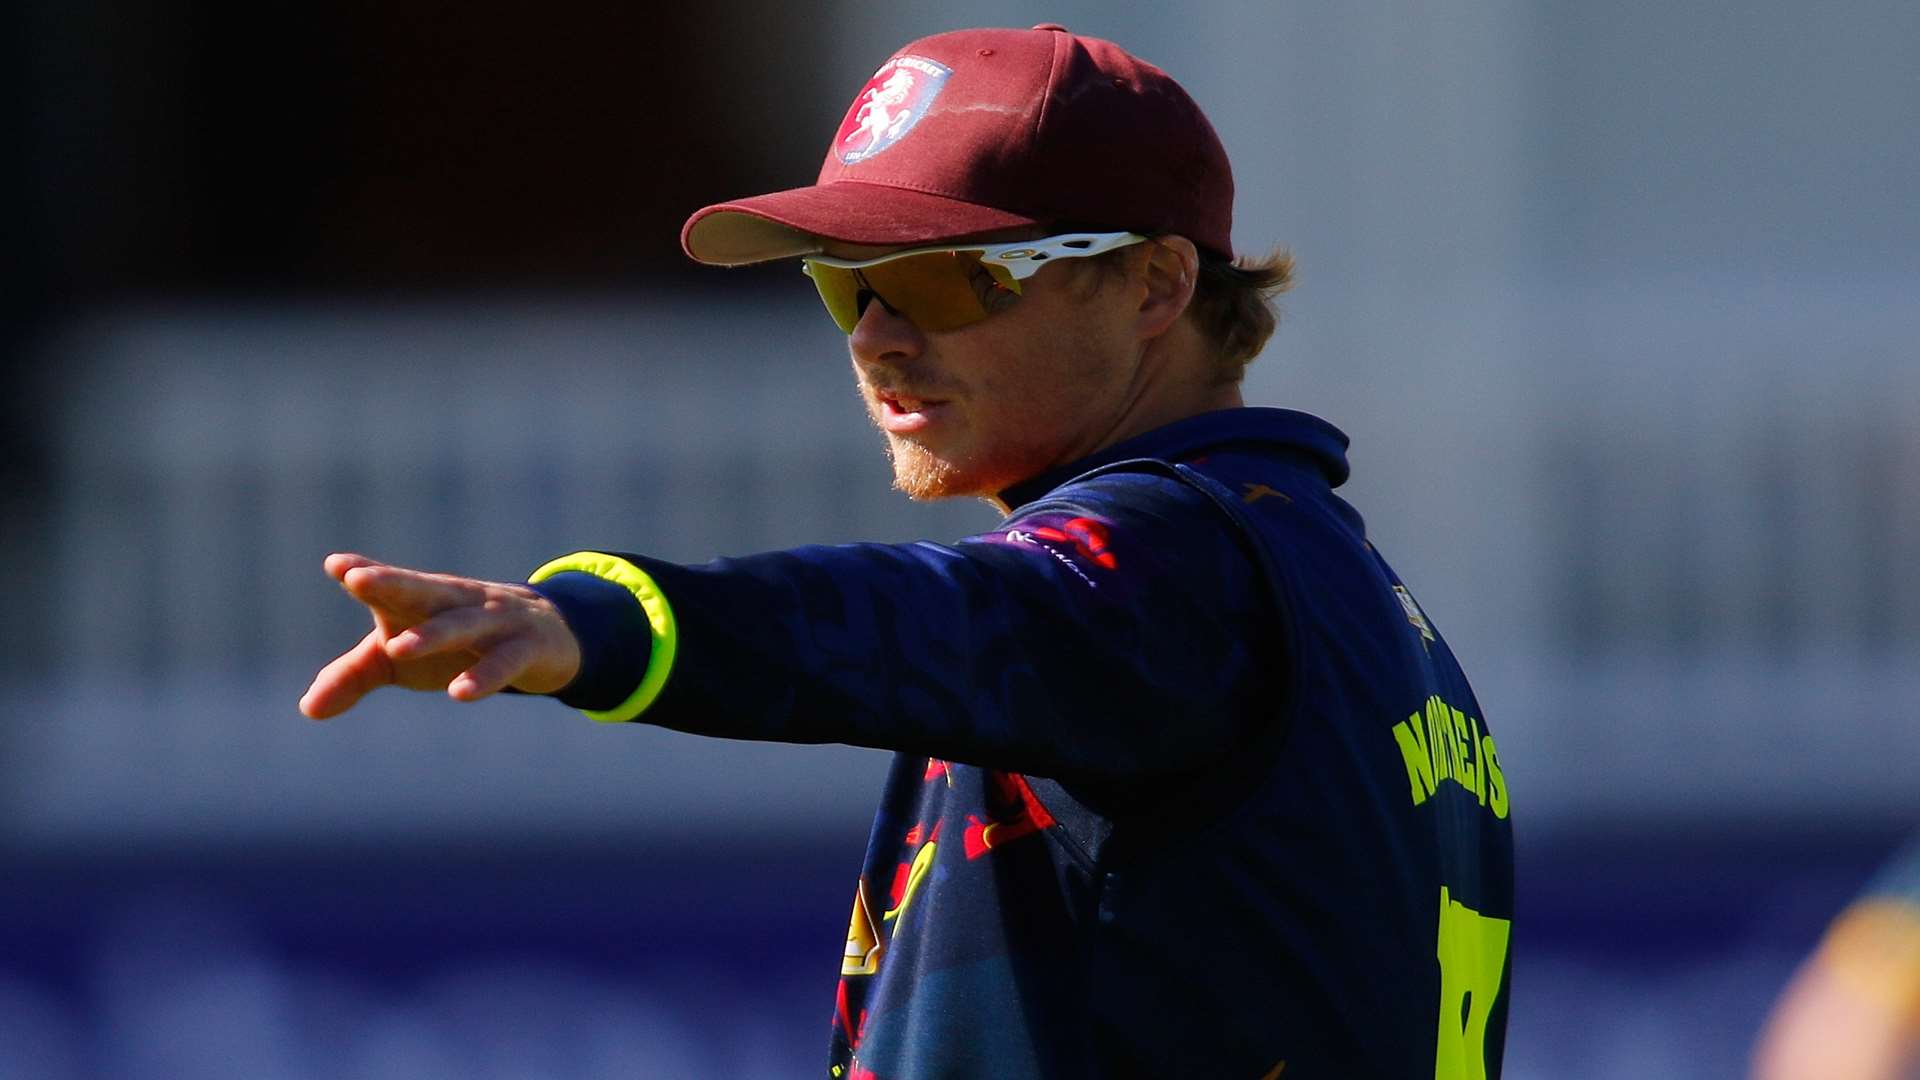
666 633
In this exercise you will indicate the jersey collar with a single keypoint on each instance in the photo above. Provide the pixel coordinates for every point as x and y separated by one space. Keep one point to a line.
1298 432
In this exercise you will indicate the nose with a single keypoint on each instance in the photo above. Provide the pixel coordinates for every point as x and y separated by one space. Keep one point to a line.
882 336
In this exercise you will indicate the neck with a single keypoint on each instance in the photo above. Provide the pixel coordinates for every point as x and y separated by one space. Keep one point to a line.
1175 378
1163 393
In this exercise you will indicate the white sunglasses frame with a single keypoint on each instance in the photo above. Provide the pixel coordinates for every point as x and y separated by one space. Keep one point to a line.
1020 258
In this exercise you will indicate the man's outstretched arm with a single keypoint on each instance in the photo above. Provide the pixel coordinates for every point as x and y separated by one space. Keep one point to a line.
1032 648
468 637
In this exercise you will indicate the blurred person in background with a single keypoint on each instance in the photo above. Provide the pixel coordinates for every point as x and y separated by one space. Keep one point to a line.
1852 1012
1186 782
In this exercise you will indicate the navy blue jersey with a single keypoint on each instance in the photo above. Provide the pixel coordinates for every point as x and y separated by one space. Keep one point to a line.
1187 782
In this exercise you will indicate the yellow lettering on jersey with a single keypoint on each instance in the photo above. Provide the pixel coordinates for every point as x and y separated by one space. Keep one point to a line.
1460 765
1496 780
1441 743
1437 739
1469 775
1437 713
1411 734
1457 720
1474 738
1472 951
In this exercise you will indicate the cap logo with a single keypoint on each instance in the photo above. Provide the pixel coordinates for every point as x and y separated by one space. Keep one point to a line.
894 100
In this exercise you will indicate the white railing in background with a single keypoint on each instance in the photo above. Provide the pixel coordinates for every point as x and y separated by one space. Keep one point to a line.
1677 561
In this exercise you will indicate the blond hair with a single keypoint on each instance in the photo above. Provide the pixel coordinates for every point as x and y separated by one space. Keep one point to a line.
1233 304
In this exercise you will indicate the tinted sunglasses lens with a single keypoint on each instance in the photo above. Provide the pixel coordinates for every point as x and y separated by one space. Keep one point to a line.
839 290
940 290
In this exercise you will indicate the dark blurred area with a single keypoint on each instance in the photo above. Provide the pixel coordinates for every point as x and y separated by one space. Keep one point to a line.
363 147
374 150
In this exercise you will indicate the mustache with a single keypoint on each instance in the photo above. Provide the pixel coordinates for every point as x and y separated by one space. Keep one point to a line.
892 384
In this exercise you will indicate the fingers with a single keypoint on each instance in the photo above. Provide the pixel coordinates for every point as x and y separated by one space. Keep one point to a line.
455 628
347 679
398 589
337 564
506 648
373 582
467 637
494 672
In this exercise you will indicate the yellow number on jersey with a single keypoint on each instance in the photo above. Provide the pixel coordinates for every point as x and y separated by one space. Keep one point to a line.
1473 953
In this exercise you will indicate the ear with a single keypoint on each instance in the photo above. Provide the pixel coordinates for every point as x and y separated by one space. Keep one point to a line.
1170 270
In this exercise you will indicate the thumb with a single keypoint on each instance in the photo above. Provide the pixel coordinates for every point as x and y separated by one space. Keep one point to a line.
348 679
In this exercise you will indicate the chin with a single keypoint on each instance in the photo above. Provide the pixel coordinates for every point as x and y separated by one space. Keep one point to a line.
924 476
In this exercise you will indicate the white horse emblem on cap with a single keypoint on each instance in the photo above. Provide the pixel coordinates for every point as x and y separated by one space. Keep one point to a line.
876 118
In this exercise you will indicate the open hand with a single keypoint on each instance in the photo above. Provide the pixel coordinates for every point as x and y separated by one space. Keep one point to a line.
435 631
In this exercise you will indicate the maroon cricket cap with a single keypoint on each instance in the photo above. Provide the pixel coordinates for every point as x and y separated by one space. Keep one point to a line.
976 130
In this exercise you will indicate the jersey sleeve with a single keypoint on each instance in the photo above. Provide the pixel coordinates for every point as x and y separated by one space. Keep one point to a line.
1111 630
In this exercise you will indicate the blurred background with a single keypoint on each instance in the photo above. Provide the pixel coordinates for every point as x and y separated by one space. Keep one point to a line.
1618 303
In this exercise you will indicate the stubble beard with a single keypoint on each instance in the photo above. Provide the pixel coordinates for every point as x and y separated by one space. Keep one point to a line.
919 473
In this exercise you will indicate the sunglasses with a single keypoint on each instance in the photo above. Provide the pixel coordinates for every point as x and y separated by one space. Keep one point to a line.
948 286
